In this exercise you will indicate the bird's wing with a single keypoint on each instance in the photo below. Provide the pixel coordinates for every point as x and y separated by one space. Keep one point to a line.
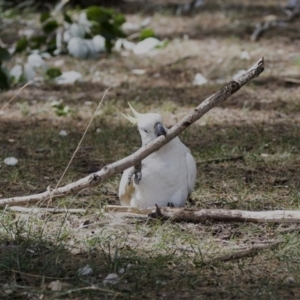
126 190
191 170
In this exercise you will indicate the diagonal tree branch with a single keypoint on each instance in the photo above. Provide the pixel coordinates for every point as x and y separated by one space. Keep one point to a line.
135 158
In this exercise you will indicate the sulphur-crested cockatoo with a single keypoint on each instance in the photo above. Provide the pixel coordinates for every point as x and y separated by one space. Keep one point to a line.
165 177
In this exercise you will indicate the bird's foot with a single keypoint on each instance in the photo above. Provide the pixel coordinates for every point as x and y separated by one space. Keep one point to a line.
137 172
170 204
157 214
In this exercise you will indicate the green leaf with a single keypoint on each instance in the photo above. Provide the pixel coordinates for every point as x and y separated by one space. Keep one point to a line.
53 73
119 19
4 79
44 16
50 26
4 55
162 45
67 18
37 41
146 33
99 14
51 45
21 44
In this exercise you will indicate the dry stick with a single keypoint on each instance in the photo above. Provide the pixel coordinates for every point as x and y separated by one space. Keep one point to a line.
188 215
17 93
242 253
219 160
135 158
35 210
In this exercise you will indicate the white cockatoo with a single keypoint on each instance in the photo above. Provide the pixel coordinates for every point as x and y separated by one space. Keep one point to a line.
165 177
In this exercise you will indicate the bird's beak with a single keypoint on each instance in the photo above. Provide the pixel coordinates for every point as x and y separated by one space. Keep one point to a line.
159 130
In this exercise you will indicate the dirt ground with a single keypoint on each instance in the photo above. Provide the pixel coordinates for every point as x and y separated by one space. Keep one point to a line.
153 259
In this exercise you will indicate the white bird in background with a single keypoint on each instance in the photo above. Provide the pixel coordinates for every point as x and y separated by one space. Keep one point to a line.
165 177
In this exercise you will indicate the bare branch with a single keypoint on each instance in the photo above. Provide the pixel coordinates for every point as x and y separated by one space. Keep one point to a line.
186 214
135 158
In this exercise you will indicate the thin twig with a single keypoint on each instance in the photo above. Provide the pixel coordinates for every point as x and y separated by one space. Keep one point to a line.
242 253
219 160
292 80
79 144
16 94
36 210
89 288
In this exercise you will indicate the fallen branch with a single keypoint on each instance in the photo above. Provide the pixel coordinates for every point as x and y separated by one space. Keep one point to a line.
185 214
242 253
226 215
135 158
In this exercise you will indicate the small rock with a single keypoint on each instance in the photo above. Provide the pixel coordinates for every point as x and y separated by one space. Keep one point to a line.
146 22
112 278
138 71
63 133
124 44
130 27
55 286
99 43
245 55
146 45
29 72
68 77
16 72
85 271
10 161
59 63
75 251
35 60
199 79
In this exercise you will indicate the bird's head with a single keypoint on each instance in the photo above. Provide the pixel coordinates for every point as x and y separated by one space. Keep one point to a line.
150 125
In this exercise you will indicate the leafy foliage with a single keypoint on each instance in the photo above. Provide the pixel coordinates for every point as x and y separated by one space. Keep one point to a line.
4 76
146 33
60 109
107 23
53 73
101 21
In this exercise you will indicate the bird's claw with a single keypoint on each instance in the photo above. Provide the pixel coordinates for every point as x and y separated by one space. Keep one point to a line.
137 172
170 204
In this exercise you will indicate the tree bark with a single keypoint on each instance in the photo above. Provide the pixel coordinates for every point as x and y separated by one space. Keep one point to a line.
135 158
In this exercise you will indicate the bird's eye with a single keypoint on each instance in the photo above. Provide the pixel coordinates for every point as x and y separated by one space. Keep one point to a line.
145 130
